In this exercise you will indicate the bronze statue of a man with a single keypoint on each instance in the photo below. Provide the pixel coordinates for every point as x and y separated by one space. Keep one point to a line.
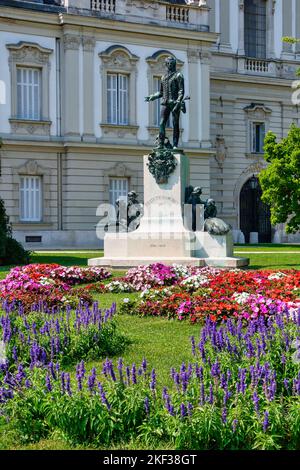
172 94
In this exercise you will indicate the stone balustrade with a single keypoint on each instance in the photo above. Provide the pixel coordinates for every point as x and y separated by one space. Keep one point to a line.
194 13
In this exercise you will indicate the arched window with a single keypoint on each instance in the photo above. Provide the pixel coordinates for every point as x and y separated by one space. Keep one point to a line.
255 28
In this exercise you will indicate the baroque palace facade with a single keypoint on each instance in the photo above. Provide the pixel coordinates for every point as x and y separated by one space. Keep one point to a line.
74 125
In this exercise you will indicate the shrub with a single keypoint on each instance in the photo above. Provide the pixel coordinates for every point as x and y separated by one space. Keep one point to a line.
11 251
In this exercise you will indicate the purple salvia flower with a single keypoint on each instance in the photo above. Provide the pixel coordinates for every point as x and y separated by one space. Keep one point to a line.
144 365
103 396
182 410
68 384
193 345
133 374
266 422
48 383
211 395
255 399
15 354
234 425
153 380
91 380
202 394
147 405
224 415
189 409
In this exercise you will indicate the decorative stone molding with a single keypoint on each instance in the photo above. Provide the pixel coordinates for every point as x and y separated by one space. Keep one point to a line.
28 53
31 55
156 62
71 42
32 168
88 43
257 111
118 59
144 4
119 170
157 68
205 57
112 131
29 127
193 56
221 150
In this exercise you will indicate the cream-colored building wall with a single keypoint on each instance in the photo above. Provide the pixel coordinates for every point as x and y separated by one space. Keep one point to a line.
14 37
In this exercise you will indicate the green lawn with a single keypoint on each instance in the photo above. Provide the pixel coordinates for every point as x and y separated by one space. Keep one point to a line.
165 343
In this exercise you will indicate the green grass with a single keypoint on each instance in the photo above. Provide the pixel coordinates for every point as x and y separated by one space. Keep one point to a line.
267 247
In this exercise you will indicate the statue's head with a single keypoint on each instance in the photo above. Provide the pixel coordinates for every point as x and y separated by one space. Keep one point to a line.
210 202
197 190
132 195
170 64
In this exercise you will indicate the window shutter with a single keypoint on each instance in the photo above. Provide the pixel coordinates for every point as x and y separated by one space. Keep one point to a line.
118 188
31 198
28 93
123 99
112 90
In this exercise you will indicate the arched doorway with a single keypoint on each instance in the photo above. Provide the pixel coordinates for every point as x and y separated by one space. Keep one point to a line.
254 213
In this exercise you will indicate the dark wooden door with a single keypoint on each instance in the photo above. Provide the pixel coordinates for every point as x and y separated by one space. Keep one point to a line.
254 214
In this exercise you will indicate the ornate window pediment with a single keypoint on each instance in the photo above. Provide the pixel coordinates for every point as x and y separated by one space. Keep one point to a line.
156 62
257 111
118 57
29 53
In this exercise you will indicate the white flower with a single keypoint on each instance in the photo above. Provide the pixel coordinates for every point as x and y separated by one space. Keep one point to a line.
126 300
275 276
241 297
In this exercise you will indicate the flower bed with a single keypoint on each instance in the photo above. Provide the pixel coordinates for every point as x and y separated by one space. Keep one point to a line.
240 390
220 294
41 337
49 283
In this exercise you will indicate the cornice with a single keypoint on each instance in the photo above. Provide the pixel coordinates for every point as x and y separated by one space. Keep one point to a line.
93 148
251 79
79 21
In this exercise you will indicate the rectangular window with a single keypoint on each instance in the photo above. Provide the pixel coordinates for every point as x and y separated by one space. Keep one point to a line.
29 93
117 98
31 198
118 188
255 28
157 107
257 137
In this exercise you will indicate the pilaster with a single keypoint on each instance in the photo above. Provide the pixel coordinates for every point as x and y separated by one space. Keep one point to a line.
71 45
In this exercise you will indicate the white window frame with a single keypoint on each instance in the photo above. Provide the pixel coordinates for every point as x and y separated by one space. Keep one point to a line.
253 134
31 198
29 92
118 86
118 189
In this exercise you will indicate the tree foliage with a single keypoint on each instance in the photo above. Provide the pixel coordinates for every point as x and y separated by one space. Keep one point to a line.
280 181
11 251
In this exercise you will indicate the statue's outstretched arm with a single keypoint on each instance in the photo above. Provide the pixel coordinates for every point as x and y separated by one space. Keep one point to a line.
153 97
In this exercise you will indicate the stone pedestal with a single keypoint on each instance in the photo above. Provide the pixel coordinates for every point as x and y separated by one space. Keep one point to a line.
162 235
